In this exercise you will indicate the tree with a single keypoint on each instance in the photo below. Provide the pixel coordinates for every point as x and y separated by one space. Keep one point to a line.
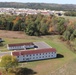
72 37
44 29
74 33
8 61
70 28
9 26
61 25
32 29
67 35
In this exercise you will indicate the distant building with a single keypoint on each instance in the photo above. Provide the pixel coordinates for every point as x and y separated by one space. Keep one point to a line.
20 46
38 54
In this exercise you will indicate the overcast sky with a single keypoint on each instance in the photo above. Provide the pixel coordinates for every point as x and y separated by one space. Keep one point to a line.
43 1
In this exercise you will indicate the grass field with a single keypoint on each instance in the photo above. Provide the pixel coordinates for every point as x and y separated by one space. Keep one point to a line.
67 69
70 18
45 67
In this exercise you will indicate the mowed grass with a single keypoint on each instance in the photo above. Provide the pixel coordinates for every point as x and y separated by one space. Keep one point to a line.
67 69
70 18
45 67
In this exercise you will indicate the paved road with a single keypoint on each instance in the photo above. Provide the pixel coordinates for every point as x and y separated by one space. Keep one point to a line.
5 53
42 45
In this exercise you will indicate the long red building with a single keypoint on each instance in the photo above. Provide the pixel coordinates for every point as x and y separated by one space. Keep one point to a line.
30 55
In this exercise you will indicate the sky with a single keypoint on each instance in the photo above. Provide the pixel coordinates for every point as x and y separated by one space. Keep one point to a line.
43 1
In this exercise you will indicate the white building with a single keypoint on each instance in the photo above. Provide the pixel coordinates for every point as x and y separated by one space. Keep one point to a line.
39 54
20 46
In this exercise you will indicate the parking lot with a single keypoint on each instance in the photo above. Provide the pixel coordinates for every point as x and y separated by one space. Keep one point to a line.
41 45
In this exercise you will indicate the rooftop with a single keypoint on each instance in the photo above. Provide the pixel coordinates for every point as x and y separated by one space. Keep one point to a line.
20 44
26 52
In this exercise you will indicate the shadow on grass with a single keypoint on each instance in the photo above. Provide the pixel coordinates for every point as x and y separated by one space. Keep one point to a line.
60 56
24 71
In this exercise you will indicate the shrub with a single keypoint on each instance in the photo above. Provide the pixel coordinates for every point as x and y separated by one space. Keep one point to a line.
11 70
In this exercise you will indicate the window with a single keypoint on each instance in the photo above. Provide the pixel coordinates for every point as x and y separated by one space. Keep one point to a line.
13 47
49 55
17 56
36 54
52 52
43 56
23 56
40 53
27 55
23 59
19 46
52 55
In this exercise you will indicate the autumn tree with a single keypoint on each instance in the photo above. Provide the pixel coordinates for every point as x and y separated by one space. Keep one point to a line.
8 61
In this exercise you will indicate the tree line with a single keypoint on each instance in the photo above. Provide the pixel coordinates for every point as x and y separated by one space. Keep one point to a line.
37 25
38 6
70 13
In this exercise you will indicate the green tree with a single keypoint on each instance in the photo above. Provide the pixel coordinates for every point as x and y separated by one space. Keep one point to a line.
74 33
70 28
72 37
44 29
8 61
67 35
32 29
61 25
9 26
22 26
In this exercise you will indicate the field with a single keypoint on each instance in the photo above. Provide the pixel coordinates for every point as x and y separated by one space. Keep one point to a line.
45 67
70 18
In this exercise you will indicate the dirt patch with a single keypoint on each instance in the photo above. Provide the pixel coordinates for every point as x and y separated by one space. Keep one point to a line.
17 35
12 34
0 73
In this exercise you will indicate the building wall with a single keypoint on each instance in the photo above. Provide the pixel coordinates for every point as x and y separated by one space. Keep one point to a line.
19 47
39 56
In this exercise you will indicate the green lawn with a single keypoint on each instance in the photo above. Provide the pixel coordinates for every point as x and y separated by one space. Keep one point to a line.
67 69
70 18
45 67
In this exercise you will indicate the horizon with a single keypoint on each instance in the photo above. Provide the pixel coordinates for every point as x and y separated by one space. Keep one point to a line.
42 1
